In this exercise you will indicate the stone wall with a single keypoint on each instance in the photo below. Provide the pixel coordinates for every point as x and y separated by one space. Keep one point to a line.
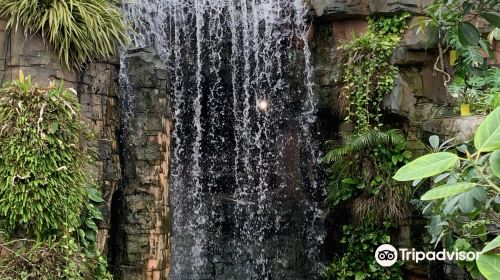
98 94
27 52
135 231
143 229
419 103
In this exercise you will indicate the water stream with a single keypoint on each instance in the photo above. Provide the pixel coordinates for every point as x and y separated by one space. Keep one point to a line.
244 191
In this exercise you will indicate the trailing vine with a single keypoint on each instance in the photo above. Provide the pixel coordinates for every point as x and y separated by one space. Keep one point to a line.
368 76
358 261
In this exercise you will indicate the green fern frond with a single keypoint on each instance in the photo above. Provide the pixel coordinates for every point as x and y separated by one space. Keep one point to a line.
365 140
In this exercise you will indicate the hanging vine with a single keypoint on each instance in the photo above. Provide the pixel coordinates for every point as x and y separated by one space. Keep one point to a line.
368 75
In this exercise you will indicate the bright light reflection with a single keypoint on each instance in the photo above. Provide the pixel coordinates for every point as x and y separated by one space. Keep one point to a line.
262 104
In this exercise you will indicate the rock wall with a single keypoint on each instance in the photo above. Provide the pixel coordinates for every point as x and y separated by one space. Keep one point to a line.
335 9
419 103
141 249
132 171
98 92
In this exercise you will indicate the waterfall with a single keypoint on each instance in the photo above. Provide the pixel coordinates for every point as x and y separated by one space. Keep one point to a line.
244 189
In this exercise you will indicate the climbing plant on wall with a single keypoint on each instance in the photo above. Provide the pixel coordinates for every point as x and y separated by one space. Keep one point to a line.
367 75
361 166
47 199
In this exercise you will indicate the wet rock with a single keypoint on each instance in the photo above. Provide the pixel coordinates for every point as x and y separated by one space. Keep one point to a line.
143 236
362 8
460 128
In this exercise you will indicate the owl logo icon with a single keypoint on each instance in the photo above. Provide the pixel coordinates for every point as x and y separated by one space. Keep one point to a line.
386 255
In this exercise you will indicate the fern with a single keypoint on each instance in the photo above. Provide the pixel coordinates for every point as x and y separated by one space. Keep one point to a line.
362 170
365 140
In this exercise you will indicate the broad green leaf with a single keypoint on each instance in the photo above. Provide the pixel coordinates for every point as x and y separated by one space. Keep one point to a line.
434 141
493 244
478 193
426 166
449 205
489 266
359 275
487 137
466 203
95 196
468 34
495 163
493 19
447 190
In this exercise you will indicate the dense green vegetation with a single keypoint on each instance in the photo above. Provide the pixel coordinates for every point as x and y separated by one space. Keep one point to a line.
78 30
361 172
465 196
361 166
368 76
464 202
47 198
472 81
357 262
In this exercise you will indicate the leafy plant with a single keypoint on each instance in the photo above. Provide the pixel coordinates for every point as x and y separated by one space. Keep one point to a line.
361 169
49 260
358 262
389 25
367 74
78 30
465 197
48 206
467 47
42 164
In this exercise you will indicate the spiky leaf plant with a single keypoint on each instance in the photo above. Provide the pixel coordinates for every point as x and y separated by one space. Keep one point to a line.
43 181
78 30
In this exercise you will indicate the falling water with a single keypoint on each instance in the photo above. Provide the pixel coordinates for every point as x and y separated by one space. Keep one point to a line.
244 191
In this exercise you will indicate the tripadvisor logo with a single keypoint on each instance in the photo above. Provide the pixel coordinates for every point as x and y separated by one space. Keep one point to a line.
386 255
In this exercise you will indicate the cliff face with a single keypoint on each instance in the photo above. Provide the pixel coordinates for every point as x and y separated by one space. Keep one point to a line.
133 170
133 126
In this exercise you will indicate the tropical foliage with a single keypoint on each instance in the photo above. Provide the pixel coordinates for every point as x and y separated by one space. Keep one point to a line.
48 205
360 167
78 30
467 48
464 202
357 263
361 170
367 74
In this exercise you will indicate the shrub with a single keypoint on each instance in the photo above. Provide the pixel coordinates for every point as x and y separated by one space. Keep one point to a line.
43 184
464 201
361 171
358 261
50 260
78 30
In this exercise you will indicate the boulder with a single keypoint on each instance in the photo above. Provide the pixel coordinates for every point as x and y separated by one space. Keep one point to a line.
460 128
362 8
